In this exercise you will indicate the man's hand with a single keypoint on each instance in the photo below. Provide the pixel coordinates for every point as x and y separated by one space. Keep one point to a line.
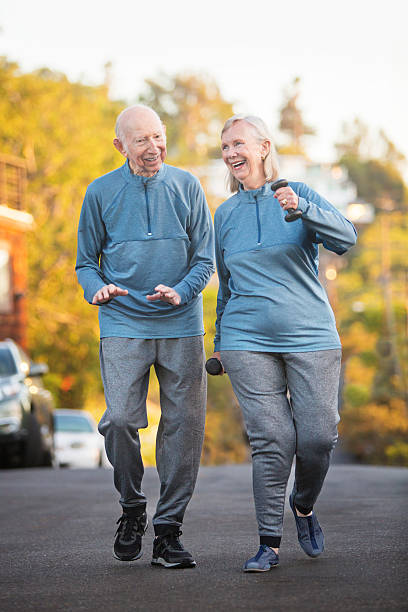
165 294
107 293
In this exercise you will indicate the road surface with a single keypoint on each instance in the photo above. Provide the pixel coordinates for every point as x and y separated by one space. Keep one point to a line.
57 530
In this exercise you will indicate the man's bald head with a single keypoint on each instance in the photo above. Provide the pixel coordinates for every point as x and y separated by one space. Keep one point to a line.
130 116
141 138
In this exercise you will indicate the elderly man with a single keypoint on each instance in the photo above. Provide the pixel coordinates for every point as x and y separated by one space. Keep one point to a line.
145 252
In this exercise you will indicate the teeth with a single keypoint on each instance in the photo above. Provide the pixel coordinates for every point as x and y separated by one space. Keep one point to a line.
238 164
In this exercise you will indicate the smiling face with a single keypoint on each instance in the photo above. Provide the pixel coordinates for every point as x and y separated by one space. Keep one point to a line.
142 141
243 154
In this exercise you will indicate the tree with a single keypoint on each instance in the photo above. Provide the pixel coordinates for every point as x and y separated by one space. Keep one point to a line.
65 130
291 121
373 164
194 112
372 305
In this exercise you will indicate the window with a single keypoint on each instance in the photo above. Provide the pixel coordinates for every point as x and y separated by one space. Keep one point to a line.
73 424
7 363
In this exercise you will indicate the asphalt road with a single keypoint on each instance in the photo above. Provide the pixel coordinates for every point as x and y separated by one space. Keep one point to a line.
57 526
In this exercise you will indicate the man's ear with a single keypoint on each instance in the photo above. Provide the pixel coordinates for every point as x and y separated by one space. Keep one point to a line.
119 146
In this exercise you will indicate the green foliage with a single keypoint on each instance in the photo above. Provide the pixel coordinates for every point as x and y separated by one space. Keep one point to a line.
377 432
356 395
194 113
397 453
225 438
373 164
376 179
375 345
65 132
292 122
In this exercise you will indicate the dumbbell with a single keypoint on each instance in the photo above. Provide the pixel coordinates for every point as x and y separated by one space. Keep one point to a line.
292 213
213 366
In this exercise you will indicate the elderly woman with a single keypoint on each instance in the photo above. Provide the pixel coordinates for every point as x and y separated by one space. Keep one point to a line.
276 333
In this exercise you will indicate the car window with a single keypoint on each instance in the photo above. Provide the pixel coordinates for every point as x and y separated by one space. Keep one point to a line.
72 423
7 363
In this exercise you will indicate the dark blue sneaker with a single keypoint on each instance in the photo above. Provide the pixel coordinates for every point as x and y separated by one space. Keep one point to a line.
310 534
264 560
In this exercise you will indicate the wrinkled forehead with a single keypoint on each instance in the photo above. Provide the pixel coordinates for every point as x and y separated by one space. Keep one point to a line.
140 124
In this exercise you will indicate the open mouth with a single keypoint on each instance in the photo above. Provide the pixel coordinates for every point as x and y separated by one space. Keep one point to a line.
151 159
238 164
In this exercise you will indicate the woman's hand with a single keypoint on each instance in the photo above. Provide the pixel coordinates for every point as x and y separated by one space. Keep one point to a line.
287 198
217 355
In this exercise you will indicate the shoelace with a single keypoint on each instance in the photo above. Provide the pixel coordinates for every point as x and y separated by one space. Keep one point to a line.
173 540
128 526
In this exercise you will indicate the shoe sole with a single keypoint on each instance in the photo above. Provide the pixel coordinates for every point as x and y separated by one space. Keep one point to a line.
181 564
249 570
135 558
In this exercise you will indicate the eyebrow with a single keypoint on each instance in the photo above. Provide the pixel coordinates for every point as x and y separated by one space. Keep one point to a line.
234 140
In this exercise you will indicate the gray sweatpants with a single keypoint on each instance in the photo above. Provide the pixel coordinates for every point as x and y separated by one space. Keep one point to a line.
279 427
179 365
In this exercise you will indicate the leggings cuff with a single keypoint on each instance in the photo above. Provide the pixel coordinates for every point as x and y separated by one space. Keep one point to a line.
272 541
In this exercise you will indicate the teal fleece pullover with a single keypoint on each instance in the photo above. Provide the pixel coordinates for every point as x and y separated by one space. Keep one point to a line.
270 298
138 232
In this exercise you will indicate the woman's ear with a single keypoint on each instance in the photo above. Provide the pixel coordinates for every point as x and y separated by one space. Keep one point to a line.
265 148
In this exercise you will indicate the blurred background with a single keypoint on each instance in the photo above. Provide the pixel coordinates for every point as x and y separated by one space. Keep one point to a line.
330 80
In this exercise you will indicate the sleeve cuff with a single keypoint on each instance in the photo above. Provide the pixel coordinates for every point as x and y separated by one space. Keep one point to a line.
90 292
182 289
303 205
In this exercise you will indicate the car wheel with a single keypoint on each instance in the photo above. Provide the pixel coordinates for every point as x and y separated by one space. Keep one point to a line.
48 459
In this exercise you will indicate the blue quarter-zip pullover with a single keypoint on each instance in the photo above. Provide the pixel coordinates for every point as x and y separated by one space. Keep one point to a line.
138 232
270 298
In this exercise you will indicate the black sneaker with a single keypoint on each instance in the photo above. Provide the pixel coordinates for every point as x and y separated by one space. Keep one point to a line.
128 541
168 551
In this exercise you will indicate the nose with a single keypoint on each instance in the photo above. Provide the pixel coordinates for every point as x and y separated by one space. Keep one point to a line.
152 146
231 155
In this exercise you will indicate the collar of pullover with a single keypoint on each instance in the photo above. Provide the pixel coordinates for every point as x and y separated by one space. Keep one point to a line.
251 194
141 180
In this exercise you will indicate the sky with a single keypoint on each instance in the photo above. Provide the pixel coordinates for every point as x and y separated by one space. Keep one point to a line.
351 56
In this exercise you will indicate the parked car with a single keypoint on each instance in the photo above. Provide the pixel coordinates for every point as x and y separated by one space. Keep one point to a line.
26 410
78 443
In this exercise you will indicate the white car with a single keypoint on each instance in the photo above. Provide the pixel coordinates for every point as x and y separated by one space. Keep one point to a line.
78 443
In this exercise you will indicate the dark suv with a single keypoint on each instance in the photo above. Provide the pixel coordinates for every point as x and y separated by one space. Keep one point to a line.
26 410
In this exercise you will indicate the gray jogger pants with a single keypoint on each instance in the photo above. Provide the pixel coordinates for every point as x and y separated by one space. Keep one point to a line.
179 365
280 428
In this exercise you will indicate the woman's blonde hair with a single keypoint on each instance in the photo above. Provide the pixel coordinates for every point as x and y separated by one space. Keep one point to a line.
271 166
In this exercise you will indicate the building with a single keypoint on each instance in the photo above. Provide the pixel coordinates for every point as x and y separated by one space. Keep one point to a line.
14 224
